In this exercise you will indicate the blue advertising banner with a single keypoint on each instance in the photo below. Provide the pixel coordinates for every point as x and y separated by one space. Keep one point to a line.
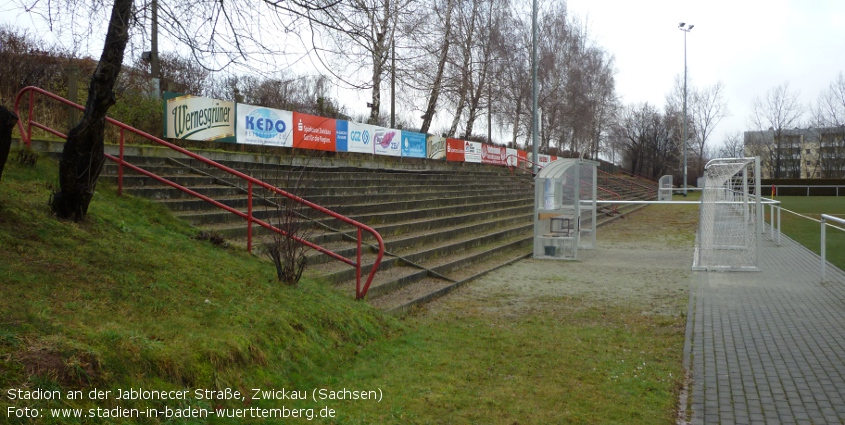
413 144
355 137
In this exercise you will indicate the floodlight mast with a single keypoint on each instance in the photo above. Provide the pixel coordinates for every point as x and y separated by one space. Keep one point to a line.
683 27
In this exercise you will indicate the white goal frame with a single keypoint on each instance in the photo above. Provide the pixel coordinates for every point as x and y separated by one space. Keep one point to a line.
731 216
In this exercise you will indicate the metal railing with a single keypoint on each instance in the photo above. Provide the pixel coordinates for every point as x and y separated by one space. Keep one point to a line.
251 182
630 182
518 160
825 218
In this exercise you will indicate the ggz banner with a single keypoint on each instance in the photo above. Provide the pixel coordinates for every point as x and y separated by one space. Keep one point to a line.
355 137
264 126
312 132
413 144
198 118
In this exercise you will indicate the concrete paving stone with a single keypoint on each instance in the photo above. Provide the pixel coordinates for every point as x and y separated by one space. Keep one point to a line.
770 345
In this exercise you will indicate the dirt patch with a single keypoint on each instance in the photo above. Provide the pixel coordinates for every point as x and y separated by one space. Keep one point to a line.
643 261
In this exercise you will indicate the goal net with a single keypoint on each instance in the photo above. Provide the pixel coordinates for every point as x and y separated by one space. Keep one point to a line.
730 223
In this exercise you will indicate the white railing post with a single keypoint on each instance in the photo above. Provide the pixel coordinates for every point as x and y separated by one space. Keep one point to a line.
823 221
823 248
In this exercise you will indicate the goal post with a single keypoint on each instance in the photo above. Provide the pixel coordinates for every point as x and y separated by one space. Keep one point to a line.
731 216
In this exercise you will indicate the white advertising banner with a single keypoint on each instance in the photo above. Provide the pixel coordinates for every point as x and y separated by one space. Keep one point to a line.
264 126
387 142
472 152
512 157
198 118
359 138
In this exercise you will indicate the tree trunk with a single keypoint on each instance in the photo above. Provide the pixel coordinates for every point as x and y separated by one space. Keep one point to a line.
8 119
441 65
82 157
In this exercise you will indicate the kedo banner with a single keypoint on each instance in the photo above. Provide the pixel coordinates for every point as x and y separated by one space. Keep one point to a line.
386 142
355 137
198 118
264 126
436 147
493 154
312 132
472 152
455 150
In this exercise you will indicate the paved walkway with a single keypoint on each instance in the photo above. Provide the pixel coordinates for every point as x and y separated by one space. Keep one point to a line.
769 347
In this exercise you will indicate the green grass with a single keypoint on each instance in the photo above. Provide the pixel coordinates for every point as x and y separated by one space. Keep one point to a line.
129 298
808 232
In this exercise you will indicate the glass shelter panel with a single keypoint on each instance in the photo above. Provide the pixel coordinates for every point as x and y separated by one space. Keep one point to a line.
565 209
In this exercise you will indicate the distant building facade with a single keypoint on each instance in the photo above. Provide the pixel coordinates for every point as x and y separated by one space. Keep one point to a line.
803 153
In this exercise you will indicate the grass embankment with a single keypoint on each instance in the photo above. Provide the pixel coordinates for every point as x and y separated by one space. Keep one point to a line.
808 232
128 298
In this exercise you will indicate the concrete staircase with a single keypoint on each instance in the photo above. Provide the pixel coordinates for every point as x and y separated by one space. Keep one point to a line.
442 227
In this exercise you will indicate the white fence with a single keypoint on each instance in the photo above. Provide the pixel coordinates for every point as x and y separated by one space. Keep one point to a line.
824 220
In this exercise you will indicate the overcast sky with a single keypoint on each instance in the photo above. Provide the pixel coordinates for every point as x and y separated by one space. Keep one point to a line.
750 46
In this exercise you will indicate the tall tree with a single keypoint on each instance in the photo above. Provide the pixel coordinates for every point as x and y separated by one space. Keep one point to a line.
829 118
83 154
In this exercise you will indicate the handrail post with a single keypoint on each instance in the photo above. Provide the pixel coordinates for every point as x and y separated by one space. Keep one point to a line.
358 268
823 247
120 166
29 119
779 208
249 216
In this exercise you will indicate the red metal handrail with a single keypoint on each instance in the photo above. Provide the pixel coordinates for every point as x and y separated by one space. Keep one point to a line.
630 182
637 175
518 159
360 291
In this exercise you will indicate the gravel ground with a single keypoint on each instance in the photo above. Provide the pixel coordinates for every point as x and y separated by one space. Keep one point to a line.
642 261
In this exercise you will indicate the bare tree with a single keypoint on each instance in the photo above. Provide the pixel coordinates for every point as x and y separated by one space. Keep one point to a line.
217 35
778 112
706 110
732 147
443 47
829 119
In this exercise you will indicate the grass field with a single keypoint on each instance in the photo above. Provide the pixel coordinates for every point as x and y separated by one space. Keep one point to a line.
808 232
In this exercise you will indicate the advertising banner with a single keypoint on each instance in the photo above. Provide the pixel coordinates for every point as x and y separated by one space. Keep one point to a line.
413 144
264 126
355 137
511 157
472 152
311 132
493 154
455 150
386 141
543 160
436 147
198 118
